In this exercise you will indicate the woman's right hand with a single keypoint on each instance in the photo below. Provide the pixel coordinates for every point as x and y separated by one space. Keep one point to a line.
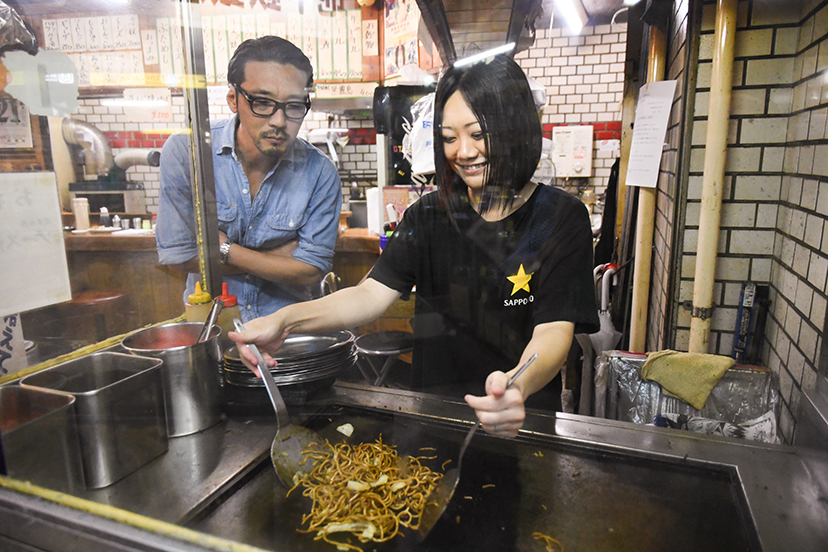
267 333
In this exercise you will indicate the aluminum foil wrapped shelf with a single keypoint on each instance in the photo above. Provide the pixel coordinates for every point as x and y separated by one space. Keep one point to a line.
306 364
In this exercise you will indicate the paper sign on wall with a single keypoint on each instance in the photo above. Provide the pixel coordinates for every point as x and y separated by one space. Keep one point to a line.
655 100
35 273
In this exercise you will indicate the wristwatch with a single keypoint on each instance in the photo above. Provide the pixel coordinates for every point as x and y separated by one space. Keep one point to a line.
224 251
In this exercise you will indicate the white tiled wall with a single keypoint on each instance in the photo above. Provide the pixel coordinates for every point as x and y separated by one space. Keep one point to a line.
775 199
584 79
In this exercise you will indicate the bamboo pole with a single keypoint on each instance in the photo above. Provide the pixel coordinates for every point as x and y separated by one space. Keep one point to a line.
645 223
713 180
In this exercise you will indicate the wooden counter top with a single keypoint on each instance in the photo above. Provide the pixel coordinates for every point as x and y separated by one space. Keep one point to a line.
91 241
354 240
358 240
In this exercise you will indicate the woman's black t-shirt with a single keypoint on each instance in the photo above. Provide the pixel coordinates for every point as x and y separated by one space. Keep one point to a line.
482 287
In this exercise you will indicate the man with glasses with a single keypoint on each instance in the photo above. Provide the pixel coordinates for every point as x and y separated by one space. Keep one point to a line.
278 197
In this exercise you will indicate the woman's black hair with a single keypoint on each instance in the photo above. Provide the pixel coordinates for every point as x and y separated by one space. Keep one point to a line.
498 94
267 48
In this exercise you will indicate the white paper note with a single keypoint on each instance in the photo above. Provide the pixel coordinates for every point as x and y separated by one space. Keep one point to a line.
652 113
370 37
31 243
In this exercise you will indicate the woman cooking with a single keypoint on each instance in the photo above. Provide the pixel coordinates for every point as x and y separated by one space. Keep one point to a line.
502 266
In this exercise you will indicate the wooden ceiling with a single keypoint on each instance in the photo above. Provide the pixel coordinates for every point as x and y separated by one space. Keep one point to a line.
461 27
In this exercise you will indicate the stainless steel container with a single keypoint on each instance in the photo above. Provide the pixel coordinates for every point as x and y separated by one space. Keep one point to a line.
40 440
191 373
119 411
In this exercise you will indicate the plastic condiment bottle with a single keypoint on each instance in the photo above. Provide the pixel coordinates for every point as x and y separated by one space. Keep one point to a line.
226 316
198 305
105 218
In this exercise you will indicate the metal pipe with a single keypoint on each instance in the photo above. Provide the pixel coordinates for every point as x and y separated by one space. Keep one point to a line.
713 179
130 158
204 189
645 223
97 153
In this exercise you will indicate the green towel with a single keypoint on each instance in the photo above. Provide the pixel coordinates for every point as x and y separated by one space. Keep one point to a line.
689 376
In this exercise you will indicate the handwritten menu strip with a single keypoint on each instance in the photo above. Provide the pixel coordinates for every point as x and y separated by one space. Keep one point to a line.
149 46
50 34
165 51
263 25
345 90
278 26
308 43
248 26
93 34
31 243
324 29
354 43
107 38
78 34
234 33
340 45
370 37
220 47
293 32
209 58
178 47
67 44
651 116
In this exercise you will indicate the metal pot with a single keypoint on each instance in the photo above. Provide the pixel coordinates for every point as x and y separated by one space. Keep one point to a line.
191 373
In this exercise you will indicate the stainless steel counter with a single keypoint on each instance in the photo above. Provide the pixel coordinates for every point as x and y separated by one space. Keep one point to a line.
592 484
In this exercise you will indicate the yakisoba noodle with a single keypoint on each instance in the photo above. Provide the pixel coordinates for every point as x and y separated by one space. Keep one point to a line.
364 491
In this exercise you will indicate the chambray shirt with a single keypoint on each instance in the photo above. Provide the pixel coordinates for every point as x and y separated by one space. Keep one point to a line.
299 199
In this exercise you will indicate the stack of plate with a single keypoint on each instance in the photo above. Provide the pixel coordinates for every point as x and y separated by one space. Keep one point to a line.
304 364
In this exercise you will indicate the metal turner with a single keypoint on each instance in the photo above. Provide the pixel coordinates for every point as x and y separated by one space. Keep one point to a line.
438 500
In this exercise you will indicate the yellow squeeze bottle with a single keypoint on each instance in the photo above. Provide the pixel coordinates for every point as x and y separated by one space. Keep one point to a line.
226 316
198 305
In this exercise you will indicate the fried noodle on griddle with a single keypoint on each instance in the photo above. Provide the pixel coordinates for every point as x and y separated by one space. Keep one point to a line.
366 490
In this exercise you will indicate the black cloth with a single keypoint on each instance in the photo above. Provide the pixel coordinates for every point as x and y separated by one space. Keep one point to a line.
470 318
605 248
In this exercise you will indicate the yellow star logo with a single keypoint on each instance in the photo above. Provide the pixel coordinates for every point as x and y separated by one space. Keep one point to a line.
520 280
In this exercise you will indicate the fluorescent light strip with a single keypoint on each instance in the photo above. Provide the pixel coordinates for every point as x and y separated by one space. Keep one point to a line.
575 18
487 54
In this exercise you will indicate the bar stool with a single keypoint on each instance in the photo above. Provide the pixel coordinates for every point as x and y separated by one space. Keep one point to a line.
381 346
106 308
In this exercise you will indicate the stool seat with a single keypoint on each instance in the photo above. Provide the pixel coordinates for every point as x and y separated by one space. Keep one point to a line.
107 309
378 345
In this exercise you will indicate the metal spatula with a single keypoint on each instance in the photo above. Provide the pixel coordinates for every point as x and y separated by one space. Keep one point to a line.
438 500
286 450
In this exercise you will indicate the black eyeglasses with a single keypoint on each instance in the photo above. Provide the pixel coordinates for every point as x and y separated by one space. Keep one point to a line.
265 107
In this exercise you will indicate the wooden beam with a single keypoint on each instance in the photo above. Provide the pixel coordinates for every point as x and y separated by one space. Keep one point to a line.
434 17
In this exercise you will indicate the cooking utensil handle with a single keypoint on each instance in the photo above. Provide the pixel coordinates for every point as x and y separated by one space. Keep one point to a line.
477 425
282 416
218 304
521 370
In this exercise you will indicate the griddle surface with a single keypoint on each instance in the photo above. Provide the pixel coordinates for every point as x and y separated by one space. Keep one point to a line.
589 498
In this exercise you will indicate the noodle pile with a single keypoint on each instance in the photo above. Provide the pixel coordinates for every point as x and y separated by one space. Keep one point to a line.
365 490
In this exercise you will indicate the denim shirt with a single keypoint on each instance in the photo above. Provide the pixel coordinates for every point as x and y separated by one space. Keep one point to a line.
300 198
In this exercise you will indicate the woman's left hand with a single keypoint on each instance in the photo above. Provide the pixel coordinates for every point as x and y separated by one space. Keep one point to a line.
501 411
